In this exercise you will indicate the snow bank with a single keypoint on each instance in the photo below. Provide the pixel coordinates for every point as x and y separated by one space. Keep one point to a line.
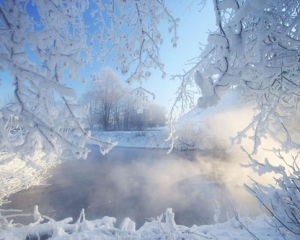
189 136
141 139
163 227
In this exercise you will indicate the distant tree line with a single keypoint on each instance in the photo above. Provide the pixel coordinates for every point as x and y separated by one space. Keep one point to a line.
113 107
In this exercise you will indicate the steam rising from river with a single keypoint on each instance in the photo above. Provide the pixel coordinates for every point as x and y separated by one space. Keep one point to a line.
142 183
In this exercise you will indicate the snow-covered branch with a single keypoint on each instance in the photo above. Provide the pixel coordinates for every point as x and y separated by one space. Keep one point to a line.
255 49
46 43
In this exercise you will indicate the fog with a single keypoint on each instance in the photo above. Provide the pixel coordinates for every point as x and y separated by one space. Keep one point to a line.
143 183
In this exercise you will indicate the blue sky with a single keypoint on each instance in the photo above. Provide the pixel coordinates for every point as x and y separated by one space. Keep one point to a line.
193 29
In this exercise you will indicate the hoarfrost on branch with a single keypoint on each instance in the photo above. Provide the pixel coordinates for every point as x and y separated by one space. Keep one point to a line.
256 49
46 43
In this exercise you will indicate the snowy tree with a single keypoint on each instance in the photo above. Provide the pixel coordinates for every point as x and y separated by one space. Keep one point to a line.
106 91
113 107
256 49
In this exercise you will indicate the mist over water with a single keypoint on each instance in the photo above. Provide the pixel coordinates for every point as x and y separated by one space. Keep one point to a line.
142 184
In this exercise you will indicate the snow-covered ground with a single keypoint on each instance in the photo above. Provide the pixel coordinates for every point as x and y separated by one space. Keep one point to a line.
141 139
187 138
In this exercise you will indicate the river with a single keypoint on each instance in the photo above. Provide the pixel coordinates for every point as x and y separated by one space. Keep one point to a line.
140 184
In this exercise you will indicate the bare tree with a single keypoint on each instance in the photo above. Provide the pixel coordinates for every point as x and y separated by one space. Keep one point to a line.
107 91
115 107
152 116
128 109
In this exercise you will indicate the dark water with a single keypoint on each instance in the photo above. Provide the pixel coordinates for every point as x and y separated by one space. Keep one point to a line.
136 183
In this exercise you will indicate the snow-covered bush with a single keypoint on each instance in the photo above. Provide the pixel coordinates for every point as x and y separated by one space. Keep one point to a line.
17 174
282 198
